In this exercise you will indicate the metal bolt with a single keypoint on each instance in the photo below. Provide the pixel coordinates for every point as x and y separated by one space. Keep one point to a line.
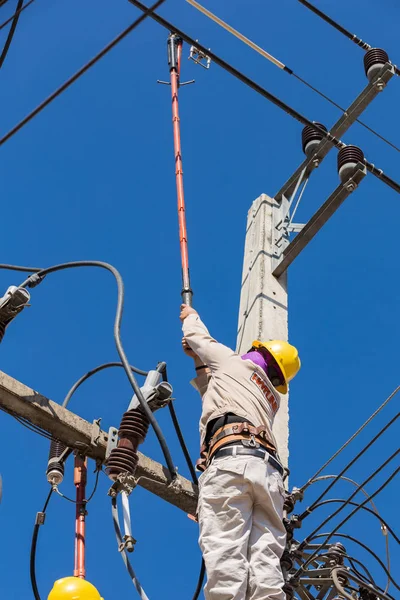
351 186
315 163
380 85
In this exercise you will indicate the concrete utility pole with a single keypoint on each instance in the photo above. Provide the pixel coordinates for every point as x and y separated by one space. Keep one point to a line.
21 401
263 299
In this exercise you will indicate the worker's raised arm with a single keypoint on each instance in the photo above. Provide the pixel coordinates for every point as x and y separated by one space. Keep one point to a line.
211 352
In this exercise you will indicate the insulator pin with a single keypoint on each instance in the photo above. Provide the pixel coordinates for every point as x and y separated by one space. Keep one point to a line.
132 432
311 137
374 60
347 159
55 467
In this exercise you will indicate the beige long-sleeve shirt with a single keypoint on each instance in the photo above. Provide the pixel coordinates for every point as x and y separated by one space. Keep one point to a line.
233 384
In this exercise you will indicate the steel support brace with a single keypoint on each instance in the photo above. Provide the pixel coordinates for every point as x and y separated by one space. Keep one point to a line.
284 254
340 127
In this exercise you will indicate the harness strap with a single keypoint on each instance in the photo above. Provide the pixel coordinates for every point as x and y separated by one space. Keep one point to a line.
255 437
237 429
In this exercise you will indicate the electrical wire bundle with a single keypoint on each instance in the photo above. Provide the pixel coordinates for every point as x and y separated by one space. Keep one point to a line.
307 561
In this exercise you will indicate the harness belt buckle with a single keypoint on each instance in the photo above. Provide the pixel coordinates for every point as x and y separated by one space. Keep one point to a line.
251 443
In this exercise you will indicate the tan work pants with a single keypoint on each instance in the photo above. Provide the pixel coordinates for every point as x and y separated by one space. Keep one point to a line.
242 536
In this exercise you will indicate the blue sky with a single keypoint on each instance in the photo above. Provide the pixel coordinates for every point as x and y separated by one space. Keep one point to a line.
92 177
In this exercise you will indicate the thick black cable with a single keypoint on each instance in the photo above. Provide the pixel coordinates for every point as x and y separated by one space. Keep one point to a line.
336 25
200 580
351 36
356 541
89 374
80 72
18 268
372 512
179 433
35 279
178 430
11 33
350 515
350 464
262 91
17 12
368 578
122 550
33 550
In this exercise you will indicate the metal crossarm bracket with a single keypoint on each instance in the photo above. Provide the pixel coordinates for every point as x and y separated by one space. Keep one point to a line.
112 440
285 252
199 57
340 127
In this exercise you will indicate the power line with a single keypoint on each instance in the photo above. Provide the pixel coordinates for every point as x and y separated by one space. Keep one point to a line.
262 91
80 72
378 410
11 33
356 541
33 280
281 65
17 12
372 512
89 374
351 514
351 36
40 517
351 463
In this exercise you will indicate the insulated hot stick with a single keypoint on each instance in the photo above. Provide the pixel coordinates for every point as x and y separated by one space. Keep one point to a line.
351 36
263 92
80 478
174 46
280 65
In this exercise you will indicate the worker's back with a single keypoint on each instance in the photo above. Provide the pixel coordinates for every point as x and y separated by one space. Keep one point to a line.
239 386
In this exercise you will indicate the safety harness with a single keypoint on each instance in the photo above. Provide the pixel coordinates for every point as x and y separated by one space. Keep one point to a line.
245 433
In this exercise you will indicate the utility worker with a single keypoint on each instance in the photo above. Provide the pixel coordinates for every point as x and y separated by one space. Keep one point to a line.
241 491
73 588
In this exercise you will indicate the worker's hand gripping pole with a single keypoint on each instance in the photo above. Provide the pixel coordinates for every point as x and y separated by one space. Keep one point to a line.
80 476
174 46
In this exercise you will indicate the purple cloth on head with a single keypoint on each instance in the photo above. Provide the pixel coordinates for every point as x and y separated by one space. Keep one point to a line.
257 358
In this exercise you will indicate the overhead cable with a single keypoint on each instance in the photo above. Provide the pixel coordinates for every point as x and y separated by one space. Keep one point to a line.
17 13
40 517
351 514
80 72
351 463
33 280
89 374
363 426
359 487
367 548
351 36
11 33
281 65
263 92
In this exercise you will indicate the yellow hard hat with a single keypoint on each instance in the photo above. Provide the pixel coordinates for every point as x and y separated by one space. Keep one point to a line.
287 358
73 588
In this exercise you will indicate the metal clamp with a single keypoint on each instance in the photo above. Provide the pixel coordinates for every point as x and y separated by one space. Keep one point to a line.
96 432
199 57
128 544
112 440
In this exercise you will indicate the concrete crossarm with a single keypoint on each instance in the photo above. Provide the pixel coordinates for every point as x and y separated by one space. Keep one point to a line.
77 433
